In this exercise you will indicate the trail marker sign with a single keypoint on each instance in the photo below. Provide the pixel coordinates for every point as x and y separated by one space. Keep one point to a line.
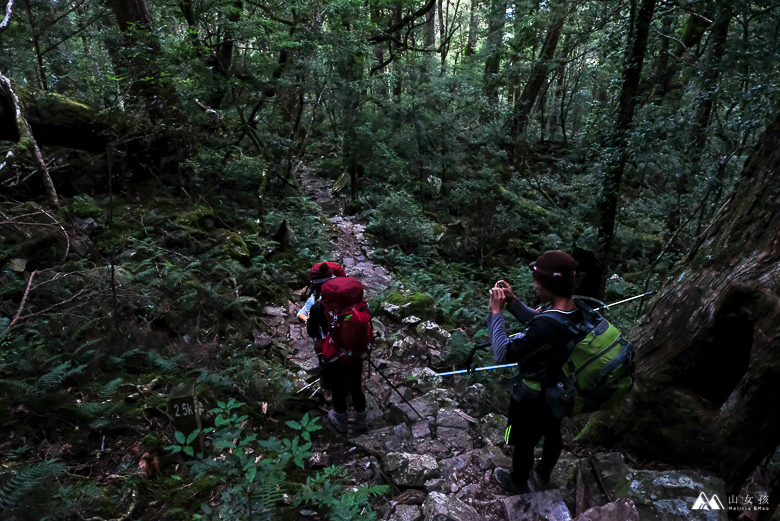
184 410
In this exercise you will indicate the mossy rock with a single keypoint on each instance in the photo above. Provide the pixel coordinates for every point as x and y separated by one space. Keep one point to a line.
420 305
83 206
232 244
196 216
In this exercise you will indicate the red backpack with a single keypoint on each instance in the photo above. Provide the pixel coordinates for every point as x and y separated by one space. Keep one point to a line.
324 270
350 335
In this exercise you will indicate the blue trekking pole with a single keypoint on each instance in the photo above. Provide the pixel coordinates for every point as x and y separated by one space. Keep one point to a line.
485 344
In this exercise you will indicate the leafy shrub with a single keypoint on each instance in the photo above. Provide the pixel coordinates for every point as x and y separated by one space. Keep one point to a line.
256 473
401 221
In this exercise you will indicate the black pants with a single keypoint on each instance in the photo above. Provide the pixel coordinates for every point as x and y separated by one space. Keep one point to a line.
529 421
344 379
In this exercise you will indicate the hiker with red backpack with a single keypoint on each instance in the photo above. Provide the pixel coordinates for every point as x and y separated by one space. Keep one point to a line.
342 315
318 275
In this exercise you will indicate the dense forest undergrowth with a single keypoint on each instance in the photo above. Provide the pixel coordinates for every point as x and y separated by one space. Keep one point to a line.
151 208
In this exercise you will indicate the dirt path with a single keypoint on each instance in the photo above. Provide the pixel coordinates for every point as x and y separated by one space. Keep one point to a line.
351 248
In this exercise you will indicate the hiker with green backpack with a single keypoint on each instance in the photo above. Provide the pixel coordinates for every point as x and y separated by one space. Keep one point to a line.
540 354
570 360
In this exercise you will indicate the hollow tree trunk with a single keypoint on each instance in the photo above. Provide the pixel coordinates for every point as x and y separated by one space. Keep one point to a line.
708 374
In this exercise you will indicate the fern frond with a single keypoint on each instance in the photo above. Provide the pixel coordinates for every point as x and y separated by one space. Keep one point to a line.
165 365
25 481
143 276
109 390
18 384
269 491
57 375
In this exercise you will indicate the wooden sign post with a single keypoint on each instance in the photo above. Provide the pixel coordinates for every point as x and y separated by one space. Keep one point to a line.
184 410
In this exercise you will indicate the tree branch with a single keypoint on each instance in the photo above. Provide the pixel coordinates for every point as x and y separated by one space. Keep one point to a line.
8 8
21 306
387 33
27 140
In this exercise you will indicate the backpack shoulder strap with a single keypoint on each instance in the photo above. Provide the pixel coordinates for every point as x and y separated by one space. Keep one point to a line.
576 328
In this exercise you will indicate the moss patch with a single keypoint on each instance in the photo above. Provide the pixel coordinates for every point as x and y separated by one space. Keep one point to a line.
420 305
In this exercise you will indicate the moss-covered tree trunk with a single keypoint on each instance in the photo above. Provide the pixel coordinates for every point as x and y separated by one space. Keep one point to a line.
708 372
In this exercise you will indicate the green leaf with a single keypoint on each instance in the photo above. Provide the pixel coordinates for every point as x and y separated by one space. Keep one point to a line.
246 441
224 444
251 473
189 451
180 437
174 448
192 436
294 425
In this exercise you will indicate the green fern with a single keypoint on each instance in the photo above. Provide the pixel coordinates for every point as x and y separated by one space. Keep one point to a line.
166 365
18 384
268 492
58 375
25 481
109 390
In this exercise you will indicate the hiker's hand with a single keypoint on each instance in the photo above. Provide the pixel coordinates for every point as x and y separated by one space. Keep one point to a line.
508 292
303 318
497 300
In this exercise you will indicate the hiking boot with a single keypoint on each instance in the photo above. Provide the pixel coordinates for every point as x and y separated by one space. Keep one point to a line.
538 481
361 421
340 422
504 478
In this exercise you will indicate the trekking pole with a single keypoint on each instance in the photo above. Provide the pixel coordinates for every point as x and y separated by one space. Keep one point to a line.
607 306
491 367
487 368
394 389
307 386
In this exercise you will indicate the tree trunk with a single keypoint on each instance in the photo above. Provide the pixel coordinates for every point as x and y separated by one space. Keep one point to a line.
471 44
430 26
538 78
139 52
707 391
495 43
222 59
712 65
667 69
398 13
613 177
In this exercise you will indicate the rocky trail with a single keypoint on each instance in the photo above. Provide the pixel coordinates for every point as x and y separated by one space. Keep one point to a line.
439 455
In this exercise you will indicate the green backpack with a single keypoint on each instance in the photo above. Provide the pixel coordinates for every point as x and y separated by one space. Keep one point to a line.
599 371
